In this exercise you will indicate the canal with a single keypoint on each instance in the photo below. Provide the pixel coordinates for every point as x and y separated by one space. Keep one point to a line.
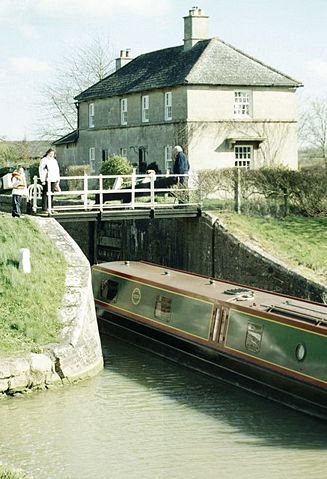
144 417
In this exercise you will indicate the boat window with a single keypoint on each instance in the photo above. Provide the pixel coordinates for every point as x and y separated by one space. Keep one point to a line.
109 289
254 337
162 308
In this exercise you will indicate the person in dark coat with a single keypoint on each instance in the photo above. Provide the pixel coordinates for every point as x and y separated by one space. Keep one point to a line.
181 164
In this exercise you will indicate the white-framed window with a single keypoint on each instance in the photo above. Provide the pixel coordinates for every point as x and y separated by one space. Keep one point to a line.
243 103
123 111
123 152
92 158
243 156
168 159
145 108
168 106
91 115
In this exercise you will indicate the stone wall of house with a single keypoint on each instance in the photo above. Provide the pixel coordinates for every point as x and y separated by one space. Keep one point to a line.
78 353
209 113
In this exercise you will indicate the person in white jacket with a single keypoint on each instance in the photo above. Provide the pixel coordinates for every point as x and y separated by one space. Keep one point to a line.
49 171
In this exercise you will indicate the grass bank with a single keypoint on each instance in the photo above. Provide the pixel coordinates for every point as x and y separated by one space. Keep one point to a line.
10 473
299 242
28 302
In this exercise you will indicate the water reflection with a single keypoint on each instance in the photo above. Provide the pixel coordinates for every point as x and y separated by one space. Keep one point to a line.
145 417
270 423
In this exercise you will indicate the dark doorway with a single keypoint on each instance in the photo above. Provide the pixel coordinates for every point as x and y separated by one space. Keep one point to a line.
142 162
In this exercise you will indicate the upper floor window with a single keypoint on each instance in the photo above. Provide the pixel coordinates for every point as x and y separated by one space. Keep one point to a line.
91 115
243 156
92 158
168 106
168 159
145 108
242 103
123 111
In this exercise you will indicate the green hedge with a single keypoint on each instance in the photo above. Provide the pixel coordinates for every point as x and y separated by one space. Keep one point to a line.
274 191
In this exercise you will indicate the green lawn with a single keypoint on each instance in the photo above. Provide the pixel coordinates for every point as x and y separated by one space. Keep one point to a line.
299 242
10 473
28 302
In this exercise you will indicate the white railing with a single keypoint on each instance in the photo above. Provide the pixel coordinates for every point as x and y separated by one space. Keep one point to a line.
105 192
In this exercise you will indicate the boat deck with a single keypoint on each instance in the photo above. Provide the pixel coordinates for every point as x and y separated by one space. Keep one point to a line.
216 290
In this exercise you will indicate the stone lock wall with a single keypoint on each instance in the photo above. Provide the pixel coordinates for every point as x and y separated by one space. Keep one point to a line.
204 246
78 354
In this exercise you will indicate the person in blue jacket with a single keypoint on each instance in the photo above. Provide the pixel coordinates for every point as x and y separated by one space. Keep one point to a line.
181 164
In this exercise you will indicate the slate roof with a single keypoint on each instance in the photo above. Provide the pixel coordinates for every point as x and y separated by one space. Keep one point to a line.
71 137
209 62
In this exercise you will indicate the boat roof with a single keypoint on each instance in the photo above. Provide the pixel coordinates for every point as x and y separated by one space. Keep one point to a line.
217 290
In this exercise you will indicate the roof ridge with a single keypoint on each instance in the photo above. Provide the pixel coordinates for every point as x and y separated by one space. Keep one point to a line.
194 66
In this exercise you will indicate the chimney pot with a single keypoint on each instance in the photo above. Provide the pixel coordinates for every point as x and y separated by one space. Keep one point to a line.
195 27
124 58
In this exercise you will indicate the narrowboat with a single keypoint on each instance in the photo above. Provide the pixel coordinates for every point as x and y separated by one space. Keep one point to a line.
267 343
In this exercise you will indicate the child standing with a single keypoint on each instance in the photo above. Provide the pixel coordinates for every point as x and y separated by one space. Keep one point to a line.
19 190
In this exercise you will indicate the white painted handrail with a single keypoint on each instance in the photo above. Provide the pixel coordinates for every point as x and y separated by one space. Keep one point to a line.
94 194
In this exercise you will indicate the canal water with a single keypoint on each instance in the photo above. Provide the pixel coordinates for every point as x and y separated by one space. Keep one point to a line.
144 417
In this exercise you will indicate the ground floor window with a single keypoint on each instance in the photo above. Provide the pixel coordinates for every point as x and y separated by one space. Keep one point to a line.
92 158
243 156
105 155
168 159
123 152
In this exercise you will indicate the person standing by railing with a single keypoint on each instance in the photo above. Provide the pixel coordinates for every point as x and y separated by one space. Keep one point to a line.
181 165
19 190
49 171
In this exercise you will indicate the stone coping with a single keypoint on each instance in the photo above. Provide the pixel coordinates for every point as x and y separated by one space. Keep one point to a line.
78 354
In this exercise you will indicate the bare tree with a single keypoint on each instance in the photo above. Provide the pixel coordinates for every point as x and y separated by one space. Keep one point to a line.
313 129
84 67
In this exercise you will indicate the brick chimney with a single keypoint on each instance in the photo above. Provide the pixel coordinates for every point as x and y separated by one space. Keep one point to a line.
124 58
195 27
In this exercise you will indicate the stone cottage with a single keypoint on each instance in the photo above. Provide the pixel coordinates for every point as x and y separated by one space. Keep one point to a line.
224 107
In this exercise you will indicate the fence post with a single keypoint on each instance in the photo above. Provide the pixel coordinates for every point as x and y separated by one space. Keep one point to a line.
85 190
237 192
152 197
34 207
133 187
49 195
101 192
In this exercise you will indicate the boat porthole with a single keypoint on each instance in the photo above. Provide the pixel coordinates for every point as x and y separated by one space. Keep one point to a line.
300 352
136 296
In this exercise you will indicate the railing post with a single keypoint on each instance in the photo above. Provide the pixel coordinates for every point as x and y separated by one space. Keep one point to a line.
133 187
152 197
101 192
85 190
49 196
34 207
